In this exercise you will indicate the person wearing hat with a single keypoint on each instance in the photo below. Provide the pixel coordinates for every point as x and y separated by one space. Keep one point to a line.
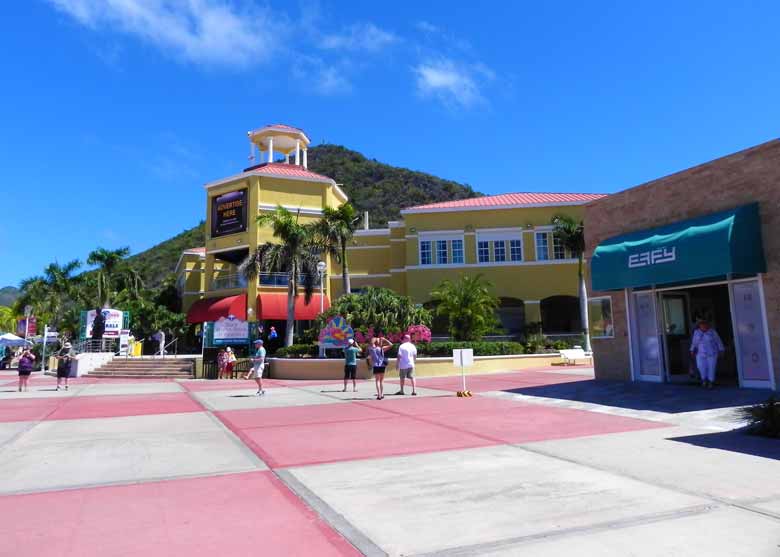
65 358
351 353
706 347
258 365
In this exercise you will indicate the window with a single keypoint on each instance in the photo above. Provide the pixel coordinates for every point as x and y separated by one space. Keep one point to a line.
559 252
483 251
425 252
457 251
600 317
542 247
441 252
499 250
516 250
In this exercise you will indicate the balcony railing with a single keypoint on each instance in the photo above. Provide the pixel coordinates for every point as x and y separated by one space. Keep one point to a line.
221 281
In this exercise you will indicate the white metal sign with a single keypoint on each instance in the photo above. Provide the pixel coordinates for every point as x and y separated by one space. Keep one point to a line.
463 357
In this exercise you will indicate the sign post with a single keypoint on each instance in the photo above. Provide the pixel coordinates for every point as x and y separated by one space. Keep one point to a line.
43 348
463 357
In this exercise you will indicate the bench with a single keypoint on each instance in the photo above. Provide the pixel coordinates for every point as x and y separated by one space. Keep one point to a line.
571 356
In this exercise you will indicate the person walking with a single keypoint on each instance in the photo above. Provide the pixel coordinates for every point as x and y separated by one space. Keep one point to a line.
221 363
231 362
258 365
64 362
706 347
351 353
404 363
378 358
25 366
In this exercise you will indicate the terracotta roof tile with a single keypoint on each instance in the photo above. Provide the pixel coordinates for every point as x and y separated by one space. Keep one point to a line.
512 199
284 169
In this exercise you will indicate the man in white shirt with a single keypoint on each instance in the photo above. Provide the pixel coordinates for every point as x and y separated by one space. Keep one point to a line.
404 363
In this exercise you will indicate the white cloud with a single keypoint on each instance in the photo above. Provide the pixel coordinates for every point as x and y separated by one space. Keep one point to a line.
359 36
452 83
332 81
212 32
322 77
427 27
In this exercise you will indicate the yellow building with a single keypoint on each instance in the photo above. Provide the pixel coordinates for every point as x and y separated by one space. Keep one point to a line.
209 281
507 238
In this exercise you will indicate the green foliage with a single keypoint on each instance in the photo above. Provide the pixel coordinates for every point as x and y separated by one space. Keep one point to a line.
158 262
763 419
381 189
377 308
468 305
297 351
430 350
7 320
332 234
8 295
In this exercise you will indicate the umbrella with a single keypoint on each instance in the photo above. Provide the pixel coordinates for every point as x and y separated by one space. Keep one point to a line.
9 339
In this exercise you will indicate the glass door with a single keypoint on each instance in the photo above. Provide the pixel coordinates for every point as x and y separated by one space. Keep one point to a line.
750 335
677 340
650 364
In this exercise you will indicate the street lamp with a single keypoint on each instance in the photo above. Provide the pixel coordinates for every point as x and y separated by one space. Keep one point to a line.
321 266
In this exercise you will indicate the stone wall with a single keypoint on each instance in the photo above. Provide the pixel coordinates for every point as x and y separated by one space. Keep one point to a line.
744 177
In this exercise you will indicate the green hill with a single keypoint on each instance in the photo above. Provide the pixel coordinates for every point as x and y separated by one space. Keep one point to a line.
372 186
8 295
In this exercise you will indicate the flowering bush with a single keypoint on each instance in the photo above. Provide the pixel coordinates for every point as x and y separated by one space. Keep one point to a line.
419 333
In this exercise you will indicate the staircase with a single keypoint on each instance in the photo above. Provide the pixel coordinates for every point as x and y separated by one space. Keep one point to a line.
136 368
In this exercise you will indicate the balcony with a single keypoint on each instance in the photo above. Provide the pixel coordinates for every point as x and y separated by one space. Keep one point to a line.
280 279
222 281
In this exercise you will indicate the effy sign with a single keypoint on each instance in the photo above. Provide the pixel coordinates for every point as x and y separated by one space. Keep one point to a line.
653 257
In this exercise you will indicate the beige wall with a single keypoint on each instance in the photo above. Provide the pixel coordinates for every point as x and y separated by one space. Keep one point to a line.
744 177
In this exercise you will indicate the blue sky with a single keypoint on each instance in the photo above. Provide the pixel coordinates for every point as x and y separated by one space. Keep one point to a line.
115 112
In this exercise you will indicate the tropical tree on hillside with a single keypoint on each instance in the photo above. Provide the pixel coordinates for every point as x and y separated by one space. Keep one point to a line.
295 254
571 234
334 232
7 320
51 293
109 263
468 305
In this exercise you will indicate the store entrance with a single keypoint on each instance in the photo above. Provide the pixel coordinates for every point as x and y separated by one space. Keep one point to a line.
680 311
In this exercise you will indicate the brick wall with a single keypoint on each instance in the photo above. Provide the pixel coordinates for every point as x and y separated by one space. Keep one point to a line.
744 177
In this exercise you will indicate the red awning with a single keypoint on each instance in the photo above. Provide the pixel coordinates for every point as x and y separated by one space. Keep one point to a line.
211 309
273 307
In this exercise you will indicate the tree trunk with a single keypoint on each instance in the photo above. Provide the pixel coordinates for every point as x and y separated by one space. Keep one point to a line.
584 307
290 332
345 269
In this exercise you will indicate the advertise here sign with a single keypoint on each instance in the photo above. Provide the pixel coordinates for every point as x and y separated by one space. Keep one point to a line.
114 319
228 213
231 330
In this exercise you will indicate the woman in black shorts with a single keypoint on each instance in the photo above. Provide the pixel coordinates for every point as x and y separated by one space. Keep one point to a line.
376 354
64 362
26 363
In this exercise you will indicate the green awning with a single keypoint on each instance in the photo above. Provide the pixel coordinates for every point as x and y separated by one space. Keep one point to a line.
712 246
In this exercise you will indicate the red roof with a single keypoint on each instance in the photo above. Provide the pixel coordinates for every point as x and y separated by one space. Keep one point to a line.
211 309
284 169
512 200
273 307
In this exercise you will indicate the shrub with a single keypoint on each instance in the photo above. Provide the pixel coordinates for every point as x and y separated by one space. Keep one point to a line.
481 348
380 309
468 305
298 351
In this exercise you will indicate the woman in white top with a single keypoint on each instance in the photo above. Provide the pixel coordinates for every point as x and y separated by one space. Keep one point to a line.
706 347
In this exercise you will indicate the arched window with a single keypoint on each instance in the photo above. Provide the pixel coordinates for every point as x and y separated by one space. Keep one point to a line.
511 314
561 315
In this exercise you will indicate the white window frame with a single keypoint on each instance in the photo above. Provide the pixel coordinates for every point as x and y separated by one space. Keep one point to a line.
557 243
546 236
439 244
462 252
505 235
430 251
496 244
434 237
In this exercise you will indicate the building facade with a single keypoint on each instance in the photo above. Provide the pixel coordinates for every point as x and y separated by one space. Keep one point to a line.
506 238
701 244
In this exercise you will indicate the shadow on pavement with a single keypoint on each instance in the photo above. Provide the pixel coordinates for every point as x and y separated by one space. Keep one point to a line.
669 398
736 441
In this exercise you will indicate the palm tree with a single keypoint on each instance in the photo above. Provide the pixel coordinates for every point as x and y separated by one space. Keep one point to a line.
468 305
294 254
334 231
108 262
7 320
571 234
50 294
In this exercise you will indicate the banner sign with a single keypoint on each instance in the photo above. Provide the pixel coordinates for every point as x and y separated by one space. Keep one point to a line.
31 324
228 213
116 320
231 330
336 333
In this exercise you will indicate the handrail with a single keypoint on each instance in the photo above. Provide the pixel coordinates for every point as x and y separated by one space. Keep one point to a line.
175 343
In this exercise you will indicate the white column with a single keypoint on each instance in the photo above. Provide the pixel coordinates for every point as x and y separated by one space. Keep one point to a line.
305 159
287 158
298 154
270 149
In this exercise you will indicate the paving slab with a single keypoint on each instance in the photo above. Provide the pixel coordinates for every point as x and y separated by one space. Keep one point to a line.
300 415
239 514
731 466
497 381
240 399
722 531
10 430
367 392
9 392
772 507
133 388
317 443
29 409
71 453
123 405
440 501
